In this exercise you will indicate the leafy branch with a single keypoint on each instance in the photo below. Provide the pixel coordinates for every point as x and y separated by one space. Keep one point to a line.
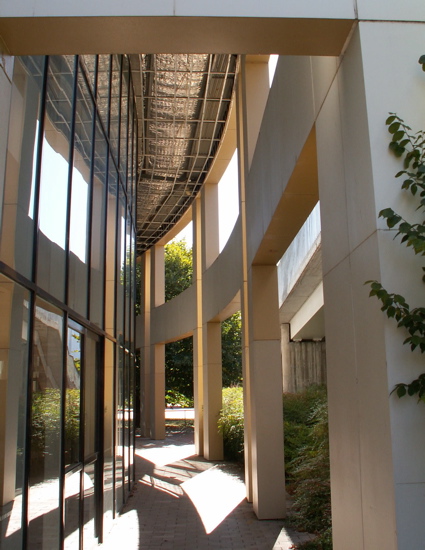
412 147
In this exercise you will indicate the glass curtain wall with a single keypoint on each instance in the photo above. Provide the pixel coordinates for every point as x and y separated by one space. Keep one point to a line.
67 290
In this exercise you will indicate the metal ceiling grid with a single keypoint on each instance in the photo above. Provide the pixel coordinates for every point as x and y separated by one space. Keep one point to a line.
183 107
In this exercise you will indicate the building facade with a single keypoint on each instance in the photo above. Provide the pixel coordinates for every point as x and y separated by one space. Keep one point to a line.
318 132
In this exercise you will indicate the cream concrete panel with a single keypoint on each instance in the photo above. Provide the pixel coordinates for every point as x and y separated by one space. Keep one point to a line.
157 34
410 512
343 406
264 318
223 280
157 380
210 225
333 9
310 307
384 46
286 126
175 319
267 430
373 357
323 70
391 10
333 199
407 418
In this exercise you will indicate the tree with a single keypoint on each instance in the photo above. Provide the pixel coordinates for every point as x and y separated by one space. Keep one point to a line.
412 147
178 268
179 355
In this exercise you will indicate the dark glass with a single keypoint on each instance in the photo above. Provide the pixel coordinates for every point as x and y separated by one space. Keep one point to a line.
89 529
54 176
119 431
121 261
14 308
97 261
111 249
115 103
108 449
17 215
80 195
103 66
46 376
124 121
73 398
90 394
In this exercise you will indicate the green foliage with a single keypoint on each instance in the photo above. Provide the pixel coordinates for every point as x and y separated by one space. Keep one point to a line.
231 423
306 443
175 398
179 367
412 147
178 268
231 350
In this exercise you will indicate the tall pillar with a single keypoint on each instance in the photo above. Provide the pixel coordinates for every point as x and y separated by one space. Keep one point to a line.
198 386
213 441
157 352
251 98
377 441
269 498
145 351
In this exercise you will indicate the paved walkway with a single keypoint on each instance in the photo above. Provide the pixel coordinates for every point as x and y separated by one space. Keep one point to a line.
183 502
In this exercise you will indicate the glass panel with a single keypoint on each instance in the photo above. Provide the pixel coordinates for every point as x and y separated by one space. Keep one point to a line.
131 419
72 511
14 314
114 121
54 176
98 228
73 399
124 121
89 531
111 249
90 395
46 376
16 245
120 244
134 166
119 437
103 66
130 147
89 64
79 223
108 474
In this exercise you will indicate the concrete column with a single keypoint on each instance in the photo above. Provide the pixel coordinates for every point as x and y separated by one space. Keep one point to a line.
210 225
377 441
286 359
266 394
6 72
251 98
145 349
213 441
157 352
198 387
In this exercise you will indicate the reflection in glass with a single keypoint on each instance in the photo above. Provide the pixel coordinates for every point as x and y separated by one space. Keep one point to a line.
73 398
124 121
90 395
89 530
54 176
14 305
108 420
98 227
18 207
103 65
119 437
46 376
80 184
72 511
111 248
114 120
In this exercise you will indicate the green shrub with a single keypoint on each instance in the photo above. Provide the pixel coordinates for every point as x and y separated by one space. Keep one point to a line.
307 464
231 423
174 397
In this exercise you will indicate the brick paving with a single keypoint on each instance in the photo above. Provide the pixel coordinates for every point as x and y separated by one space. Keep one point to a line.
183 502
